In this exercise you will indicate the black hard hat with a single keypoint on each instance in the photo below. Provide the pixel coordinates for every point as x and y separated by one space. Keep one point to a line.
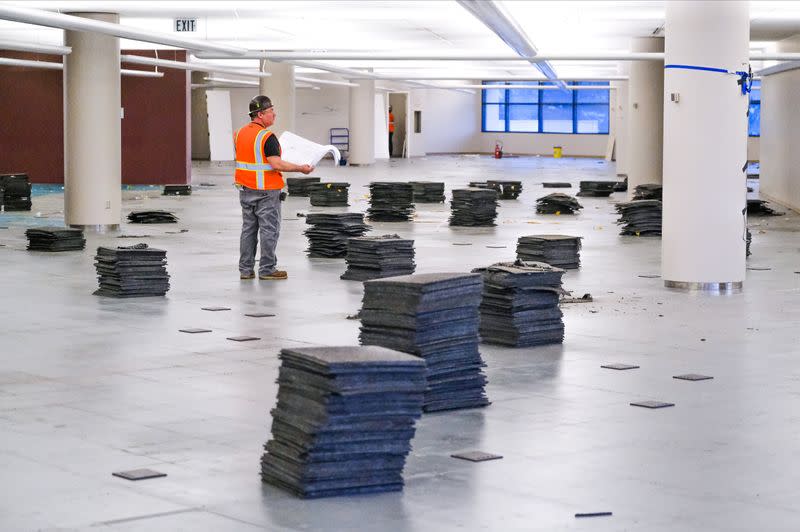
259 103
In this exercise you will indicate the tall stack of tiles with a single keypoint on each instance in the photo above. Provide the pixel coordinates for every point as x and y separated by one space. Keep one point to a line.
299 186
428 191
329 232
520 304
561 251
373 257
344 420
132 271
433 316
15 192
390 201
473 207
328 194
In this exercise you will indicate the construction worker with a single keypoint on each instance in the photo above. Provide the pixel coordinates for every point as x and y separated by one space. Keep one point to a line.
391 129
259 180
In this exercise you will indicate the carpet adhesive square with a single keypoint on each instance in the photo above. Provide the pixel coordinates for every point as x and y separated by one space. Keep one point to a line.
215 309
329 233
520 304
652 404
131 271
557 184
620 367
435 317
259 315
557 203
473 207
194 330
243 338
476 456
390 201
428 191
693 377
139 474
344 420
561 251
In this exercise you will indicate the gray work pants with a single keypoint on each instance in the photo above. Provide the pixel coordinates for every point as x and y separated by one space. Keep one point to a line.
261 216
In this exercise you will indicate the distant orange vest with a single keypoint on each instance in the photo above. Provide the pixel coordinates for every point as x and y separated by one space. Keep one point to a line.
252 169
391 123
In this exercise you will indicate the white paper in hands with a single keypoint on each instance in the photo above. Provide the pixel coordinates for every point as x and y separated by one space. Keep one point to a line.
295 149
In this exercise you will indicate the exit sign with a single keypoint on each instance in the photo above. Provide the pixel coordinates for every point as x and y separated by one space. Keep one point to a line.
185 24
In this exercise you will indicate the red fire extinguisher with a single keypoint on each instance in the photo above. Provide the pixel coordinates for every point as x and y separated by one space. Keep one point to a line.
498 150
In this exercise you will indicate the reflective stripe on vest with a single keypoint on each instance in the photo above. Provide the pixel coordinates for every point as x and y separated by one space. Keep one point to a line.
260 158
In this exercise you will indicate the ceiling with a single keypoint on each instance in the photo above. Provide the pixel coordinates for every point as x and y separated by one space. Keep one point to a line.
433 26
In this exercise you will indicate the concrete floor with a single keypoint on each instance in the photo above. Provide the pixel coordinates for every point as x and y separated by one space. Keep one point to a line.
91 385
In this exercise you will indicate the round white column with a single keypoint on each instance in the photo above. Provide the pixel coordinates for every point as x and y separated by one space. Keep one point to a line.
280 88
362 122
705 146
92 128
619 99
645 115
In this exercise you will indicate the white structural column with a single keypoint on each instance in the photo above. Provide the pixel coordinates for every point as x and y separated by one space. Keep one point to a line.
362 122
619 101
92 128
280 88
705 145
645 114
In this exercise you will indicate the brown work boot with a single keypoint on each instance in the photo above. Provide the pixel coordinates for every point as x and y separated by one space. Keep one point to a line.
277 275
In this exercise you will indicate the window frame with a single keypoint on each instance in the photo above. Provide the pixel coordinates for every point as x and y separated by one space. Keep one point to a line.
506 101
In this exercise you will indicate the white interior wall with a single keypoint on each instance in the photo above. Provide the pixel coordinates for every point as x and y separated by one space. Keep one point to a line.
780 114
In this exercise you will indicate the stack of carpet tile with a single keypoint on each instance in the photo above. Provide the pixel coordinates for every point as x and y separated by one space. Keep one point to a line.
557 203
480 184
435 317
152 217
596 189
520 304
328 194
177 190
328 234
757 207
299 186
390 201
648 191
561 251
15 192
473 207
506 190
640 217
132 271
374 257
344 420
557 184
621 186
748 240
428 191
55 239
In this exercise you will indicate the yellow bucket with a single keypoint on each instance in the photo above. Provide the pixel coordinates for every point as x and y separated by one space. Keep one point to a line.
557 152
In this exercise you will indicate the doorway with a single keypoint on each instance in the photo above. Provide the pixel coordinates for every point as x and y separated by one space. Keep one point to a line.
398 101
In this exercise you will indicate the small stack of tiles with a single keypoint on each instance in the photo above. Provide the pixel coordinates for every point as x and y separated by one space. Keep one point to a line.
344 420
596 189
177 190
132 271
473 207
640 217
374 257
390 201
557 203
506 190
520 304
329 232
299 186
55 239
428 192
15 192
648 191
561 251
328 194
433 316
152 217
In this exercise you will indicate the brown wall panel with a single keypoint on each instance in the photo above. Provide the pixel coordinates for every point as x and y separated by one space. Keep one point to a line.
156 144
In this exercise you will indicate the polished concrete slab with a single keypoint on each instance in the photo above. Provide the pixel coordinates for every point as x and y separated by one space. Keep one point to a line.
90 385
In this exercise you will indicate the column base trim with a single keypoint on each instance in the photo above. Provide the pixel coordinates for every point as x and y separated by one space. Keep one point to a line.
735 286
101 228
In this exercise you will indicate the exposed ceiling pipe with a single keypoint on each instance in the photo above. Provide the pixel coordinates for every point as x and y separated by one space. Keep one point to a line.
497 19
69 22
345 72
782 56
777 69
495 77
517 87
415 56
326 81
238 82
50 49
199 67
7 61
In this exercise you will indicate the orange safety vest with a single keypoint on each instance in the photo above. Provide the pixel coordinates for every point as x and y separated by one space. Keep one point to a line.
391 123
252 169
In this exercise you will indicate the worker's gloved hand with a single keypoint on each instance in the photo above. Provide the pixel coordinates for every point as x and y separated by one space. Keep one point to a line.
283 196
